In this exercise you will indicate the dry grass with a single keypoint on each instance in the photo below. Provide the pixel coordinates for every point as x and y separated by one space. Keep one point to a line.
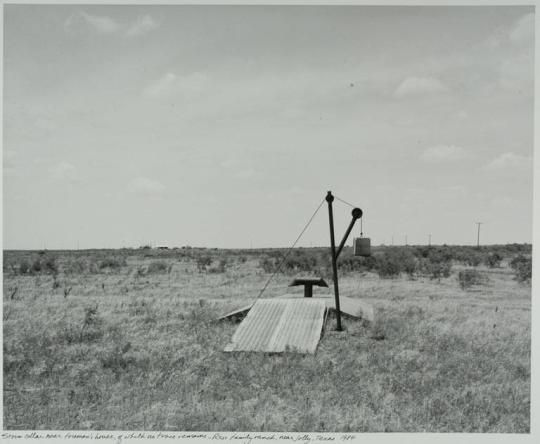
131 350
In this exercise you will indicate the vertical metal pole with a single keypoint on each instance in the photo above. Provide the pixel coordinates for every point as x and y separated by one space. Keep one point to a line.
330 199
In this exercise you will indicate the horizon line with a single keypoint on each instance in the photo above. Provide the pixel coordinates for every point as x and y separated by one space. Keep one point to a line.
189 247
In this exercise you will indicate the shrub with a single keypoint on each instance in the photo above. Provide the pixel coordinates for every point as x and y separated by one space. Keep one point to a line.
468 278
93 267
92 322
393 262
437 270
437 265
75 267
90 316
112 263
409 263
522 267
349 263
388 265
441 254
49 265
370 263
422 252
117 358
473 259
24 267
39 265
299 261
36 266
516 261
268 264
203 261
222 266
157 267
493 260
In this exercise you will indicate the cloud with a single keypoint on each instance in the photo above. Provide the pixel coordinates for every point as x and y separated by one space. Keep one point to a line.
517 73
523 31
224 94
170 84
142 25
81 23
248 174
230 162
457 189
517 69
461 114
418 86
509 161
144 185
161 86
520 34
443 153
513 47
64 171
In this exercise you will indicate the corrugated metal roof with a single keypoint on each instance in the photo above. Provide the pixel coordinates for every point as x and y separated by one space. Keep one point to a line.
272 325
238 312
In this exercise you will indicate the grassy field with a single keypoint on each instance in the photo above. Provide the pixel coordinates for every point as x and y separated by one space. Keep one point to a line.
126 339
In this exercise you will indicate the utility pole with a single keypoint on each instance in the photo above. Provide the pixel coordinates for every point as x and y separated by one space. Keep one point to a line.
405 240
478 238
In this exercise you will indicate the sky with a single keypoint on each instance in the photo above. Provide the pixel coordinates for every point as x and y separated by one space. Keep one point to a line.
225 126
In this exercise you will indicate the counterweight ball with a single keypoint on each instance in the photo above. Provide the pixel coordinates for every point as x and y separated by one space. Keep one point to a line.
357 213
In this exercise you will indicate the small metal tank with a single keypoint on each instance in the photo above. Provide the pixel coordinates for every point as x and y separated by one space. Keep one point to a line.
362 246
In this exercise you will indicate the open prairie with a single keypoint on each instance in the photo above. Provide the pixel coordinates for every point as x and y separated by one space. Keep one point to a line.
127 339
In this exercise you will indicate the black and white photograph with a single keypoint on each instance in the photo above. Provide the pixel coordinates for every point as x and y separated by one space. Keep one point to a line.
267 219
